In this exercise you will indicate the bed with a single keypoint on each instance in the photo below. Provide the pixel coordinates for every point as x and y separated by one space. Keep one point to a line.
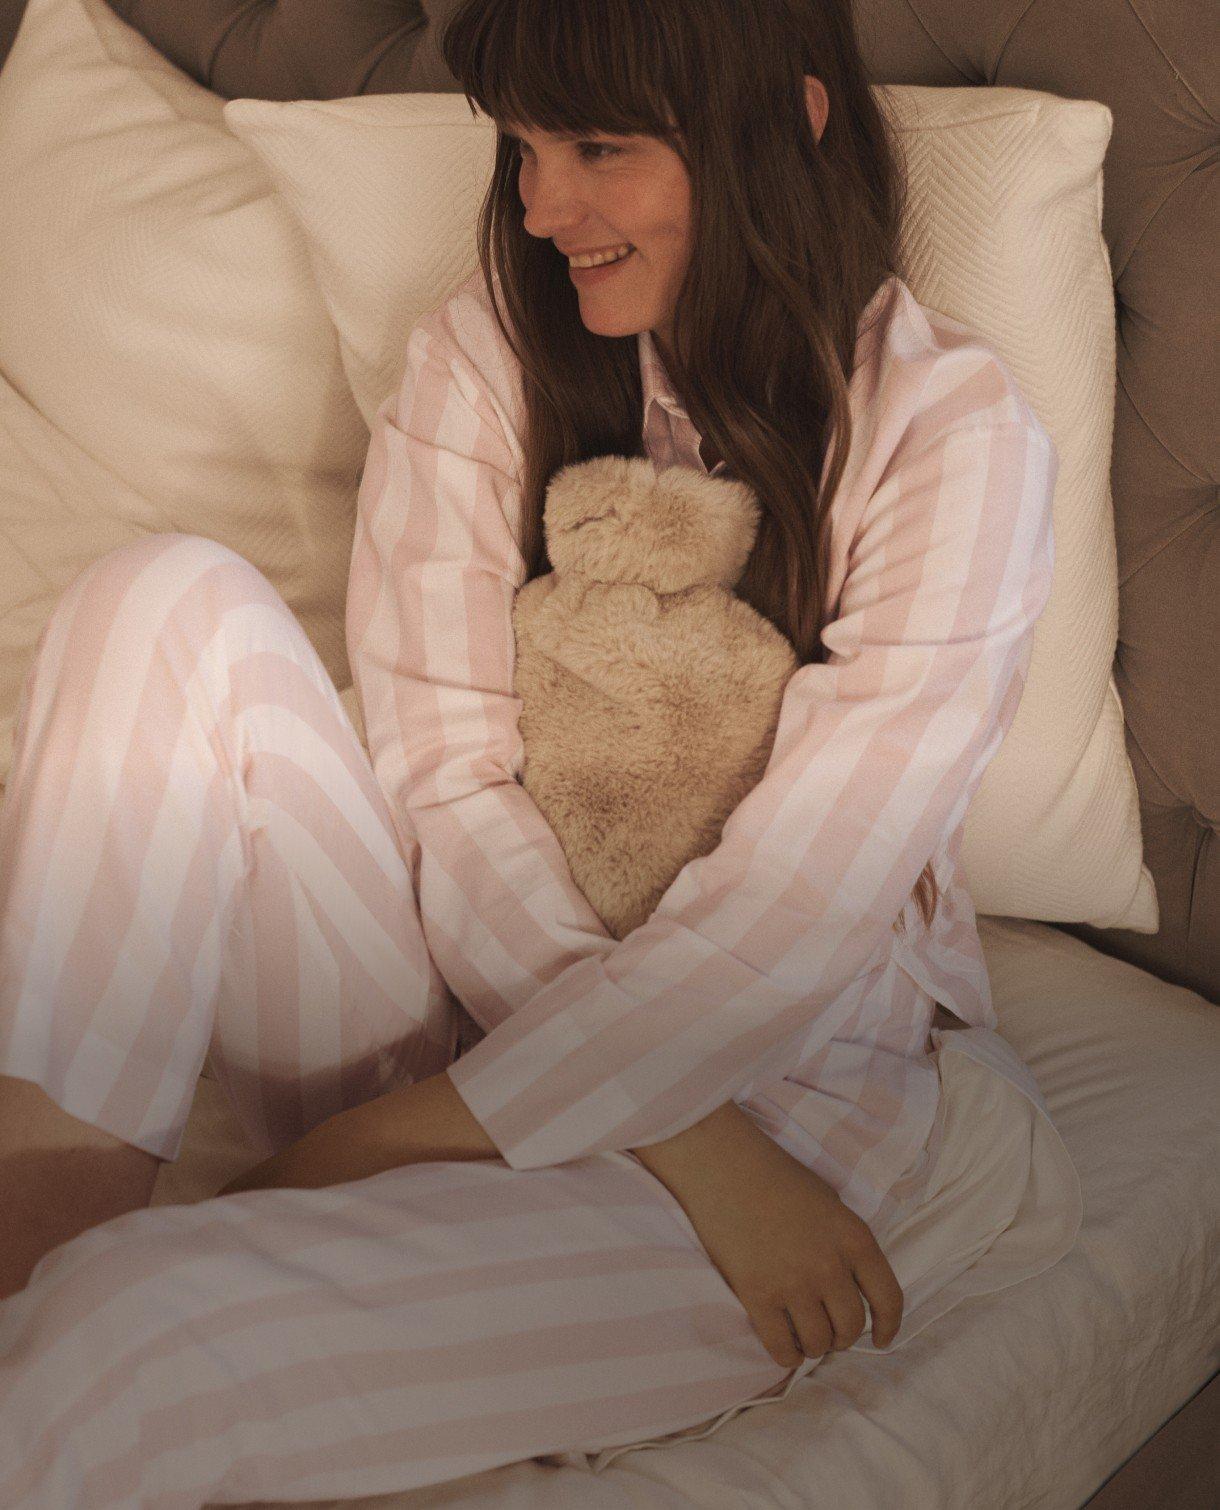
1096 1381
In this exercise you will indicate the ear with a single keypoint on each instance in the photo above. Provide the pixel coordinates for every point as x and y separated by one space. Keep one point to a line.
819 104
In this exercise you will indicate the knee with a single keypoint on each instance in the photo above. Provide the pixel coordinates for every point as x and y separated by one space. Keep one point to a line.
171 552
163 573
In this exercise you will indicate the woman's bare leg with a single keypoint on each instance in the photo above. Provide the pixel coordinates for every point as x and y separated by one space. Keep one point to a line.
59 1176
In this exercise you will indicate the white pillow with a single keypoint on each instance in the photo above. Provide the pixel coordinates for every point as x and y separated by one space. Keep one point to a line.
1003 235
170 364
414 171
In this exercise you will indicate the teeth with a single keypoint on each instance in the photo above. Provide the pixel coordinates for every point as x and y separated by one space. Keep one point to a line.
598 259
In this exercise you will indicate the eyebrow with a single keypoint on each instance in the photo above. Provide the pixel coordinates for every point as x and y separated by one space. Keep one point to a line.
563 136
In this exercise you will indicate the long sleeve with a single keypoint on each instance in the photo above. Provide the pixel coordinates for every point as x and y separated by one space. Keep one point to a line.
742 971
435 567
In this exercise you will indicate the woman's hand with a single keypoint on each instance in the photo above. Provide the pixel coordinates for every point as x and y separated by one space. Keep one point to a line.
782 1239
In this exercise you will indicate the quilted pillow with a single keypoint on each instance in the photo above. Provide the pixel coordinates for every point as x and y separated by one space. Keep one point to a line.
166 361
1003 235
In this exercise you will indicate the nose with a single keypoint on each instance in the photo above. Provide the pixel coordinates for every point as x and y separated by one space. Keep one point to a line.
551 206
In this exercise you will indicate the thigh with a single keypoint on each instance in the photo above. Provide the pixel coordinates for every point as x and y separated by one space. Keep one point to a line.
411 1328
200 858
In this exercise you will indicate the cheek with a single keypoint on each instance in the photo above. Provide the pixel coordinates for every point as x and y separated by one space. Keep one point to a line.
670 224
657 228
674 245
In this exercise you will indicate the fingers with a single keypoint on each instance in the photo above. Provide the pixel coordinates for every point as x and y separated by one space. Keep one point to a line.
843 1306
809 1321
809 1325
883 1293
813 1327
770 1320
831 1320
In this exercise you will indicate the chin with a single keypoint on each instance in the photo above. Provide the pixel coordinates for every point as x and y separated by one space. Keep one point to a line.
610 325
615 322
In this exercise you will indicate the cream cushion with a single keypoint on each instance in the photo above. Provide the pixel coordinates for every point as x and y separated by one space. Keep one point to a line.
1003 235
166 362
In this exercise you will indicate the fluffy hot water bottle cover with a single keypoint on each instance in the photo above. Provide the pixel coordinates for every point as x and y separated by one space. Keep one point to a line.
650 693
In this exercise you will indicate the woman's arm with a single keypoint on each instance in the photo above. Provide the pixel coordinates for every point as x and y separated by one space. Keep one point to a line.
412 1124
427 1121
799 1260
434 575
794 1255
748 965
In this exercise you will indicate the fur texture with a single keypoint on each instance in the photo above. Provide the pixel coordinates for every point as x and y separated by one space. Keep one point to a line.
650 693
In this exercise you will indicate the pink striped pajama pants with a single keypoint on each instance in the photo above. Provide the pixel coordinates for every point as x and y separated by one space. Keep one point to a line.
197 857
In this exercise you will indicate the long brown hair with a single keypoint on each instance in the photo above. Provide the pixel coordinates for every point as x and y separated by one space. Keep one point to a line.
792 239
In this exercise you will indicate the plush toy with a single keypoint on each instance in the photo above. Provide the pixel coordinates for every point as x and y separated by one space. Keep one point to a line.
650 693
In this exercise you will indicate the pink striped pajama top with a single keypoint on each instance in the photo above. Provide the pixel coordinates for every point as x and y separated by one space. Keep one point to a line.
790 968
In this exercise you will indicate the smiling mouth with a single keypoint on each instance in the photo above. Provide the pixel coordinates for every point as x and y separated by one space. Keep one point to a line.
605 267
611 263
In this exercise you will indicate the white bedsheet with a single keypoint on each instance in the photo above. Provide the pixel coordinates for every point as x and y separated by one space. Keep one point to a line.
1030 1397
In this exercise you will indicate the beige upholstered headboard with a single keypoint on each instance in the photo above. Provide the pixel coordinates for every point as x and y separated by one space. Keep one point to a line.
1156 65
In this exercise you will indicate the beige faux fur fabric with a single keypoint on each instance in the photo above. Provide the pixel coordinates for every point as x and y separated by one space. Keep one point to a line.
651 693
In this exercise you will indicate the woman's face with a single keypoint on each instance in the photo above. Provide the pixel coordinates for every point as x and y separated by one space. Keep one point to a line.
599 193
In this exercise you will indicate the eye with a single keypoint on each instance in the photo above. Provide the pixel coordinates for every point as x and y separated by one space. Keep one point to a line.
585 149
598 147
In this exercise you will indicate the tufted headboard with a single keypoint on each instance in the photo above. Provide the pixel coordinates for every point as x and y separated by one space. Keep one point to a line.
1156 65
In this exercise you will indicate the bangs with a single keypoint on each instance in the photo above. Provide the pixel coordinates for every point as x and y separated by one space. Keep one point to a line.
562 68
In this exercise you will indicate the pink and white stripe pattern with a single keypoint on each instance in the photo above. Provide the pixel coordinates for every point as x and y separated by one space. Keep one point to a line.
196 854
423 1324
788 969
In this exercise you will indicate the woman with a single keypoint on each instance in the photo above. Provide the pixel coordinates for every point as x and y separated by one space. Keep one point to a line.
669 1174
